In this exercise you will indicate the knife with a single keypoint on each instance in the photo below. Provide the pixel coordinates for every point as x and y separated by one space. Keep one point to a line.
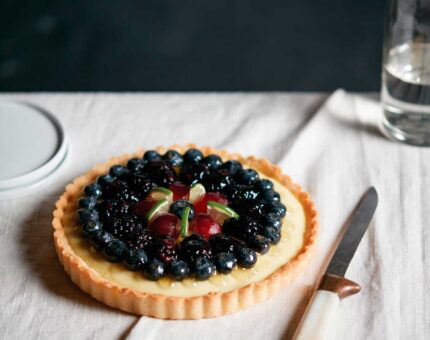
333 285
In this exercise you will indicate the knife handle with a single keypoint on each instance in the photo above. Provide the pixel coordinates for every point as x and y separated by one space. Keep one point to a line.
322 307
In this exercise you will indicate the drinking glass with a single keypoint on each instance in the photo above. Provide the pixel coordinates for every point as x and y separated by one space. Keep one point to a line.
405 93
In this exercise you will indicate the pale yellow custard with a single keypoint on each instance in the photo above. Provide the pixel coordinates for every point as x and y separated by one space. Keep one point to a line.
293 229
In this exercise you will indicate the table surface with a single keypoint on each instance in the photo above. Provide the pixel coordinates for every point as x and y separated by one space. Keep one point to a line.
330 145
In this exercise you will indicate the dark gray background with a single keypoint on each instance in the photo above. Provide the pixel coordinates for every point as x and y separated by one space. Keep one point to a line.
294 45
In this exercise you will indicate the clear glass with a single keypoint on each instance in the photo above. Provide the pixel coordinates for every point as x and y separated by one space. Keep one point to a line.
405 93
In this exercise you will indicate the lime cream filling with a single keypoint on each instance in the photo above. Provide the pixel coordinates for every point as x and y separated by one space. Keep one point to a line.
293 229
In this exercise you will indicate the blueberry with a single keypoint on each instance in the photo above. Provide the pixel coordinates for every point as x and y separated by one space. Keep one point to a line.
246 176
90 227
178 270
212 161
177 208
246 258
225 262
101 239
273 234
221 243
115 250
195 173
93 189
86 215
269 196
135 164
87 202
272 220
151 156
193 156
259 243
277 208
174 157
232 167
263 184
193 239
118 171
105 180
192 249
154 269
203 268
135 259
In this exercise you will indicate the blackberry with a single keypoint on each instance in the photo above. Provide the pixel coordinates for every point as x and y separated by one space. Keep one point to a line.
162 173
151 156
123 227
154 269
177 208
242 192
135 259
115 250
164 249
110 209
140 184
195 173
259 243
93 189
203 268
178 270
173 157
242 228
212 161
225 262
193 156
222 243
231 167
136 164
139 239
217 182
194 249
119 190
246 176
250 208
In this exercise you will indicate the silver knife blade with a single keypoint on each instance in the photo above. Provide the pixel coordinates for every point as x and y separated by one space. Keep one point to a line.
358 223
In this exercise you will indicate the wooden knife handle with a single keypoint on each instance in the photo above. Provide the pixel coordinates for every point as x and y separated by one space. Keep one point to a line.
321 310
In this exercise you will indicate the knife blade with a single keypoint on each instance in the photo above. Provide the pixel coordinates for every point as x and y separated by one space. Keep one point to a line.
333 286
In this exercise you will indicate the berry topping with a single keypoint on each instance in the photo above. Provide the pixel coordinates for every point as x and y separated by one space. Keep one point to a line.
232 167
87 202
203 268
178 270
205 226
154 269
105 180
263 184
100 239
162 173
174 157
251 208
118 171
258 243
213 161
217 183
242 192
110 209
193 248
180 191
140 183
164 249
93 189
139 239
246 258
120 190
195 173
269 196
136 164
222 243
165 225
273 234
90 227
193 156
122 227
115 250
272 220
135 259
225 262
151 156
278 209
246 176
201 206
243 228
86 215
177 208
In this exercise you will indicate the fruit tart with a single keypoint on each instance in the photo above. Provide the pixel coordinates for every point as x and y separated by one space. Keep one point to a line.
184 232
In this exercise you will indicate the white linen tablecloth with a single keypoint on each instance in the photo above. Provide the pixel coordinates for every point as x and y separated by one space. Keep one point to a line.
332 148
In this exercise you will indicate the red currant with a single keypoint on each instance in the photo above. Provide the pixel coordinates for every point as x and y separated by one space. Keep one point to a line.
201 206
205 226
180 191
165 225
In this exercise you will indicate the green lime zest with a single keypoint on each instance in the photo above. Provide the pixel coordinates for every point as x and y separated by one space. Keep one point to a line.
161 207
160 193
184 222
223 209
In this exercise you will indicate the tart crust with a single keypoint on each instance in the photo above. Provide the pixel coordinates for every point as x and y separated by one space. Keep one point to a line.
171 307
